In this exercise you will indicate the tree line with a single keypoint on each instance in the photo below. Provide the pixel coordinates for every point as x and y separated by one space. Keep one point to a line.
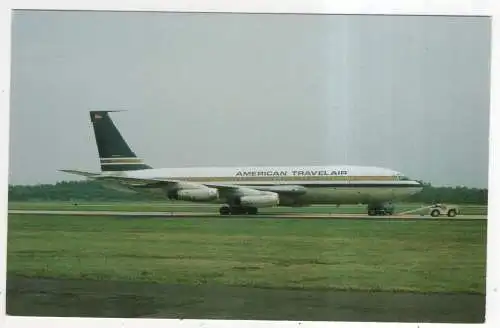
449 195
93 191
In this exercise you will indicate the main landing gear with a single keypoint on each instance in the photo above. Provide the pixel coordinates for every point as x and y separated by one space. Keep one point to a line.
380 209
233 210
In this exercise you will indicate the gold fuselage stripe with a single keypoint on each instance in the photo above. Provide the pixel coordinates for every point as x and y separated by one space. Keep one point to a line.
288 178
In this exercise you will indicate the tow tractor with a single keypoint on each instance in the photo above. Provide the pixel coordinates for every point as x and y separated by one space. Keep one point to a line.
436 210
441 209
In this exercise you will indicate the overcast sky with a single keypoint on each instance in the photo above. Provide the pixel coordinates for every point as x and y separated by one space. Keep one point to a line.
406 93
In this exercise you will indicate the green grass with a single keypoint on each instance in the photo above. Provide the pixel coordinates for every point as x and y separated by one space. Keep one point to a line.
424 256
200 207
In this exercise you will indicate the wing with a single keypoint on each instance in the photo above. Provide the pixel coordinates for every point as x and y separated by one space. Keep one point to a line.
143 182
172 184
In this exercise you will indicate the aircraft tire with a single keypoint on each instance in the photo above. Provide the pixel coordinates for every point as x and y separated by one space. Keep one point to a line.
237 210
252 210
225 210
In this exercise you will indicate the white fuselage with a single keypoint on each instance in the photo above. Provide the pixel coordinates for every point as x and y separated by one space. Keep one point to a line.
320 184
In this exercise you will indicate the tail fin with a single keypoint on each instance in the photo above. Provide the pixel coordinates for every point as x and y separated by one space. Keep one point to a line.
114 152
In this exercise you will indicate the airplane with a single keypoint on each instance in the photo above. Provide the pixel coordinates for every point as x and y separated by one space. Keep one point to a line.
245 190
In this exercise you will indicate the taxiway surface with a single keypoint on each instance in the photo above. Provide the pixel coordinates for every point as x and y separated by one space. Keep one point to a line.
262 215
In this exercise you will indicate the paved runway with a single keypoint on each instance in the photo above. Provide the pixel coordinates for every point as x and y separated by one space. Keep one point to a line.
263 215
110 213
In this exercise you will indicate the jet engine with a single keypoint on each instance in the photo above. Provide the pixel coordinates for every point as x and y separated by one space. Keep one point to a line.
263 200
199 195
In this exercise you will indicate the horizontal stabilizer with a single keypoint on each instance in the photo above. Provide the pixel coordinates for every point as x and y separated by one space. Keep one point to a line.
81 173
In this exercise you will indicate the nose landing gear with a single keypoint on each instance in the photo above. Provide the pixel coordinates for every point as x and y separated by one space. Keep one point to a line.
380 209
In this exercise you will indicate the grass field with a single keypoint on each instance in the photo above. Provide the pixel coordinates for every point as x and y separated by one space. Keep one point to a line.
425 256
190 207
240 268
